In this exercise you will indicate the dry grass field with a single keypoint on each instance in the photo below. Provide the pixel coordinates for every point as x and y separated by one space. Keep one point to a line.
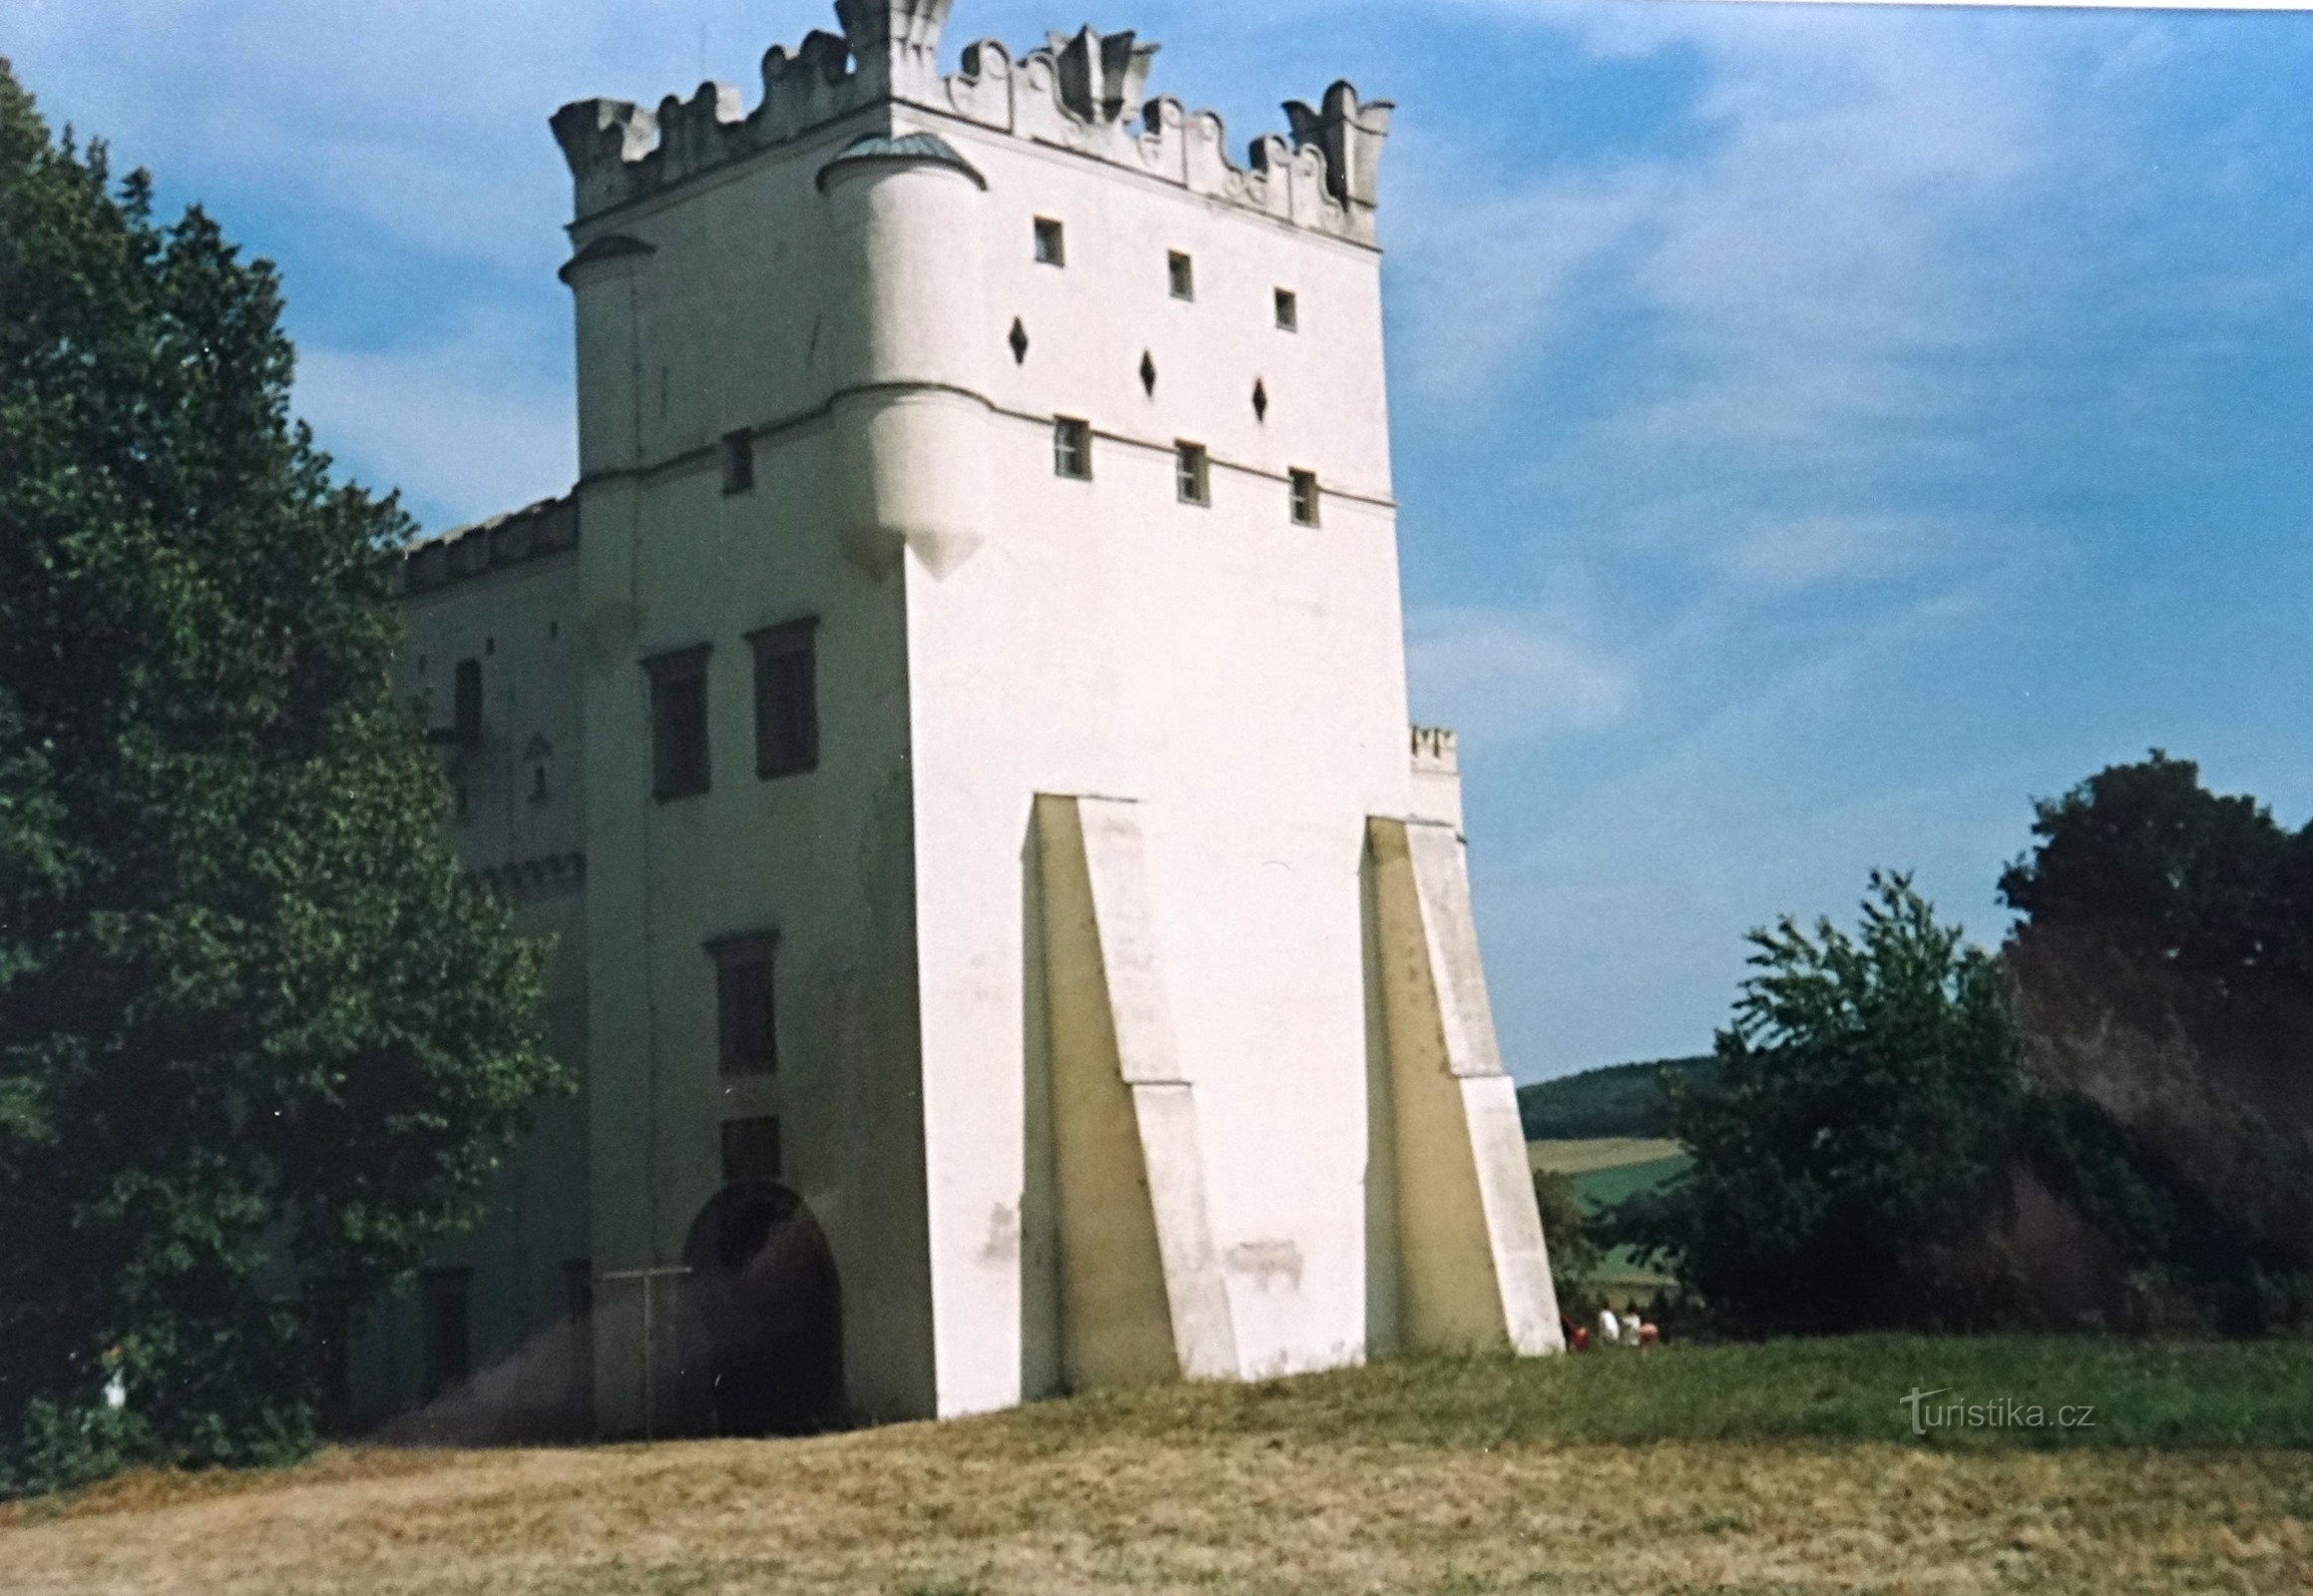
1463 1478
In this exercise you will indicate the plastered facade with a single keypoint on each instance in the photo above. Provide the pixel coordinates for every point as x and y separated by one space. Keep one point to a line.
1123 1034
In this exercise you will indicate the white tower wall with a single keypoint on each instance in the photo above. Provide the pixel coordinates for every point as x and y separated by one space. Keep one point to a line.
1125 1029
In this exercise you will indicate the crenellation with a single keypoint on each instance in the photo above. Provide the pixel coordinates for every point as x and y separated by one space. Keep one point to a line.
548 527
1434 750
981 91
1079 92
1350 136
1099 75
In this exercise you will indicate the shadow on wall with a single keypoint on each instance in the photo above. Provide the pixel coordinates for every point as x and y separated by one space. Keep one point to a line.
503 1406
745 1339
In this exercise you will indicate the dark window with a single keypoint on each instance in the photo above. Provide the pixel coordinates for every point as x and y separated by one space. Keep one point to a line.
444 1305
466 705
1191 474
1051 247
786 699
1287 310
1181 273
747 1034
1072 448
1305 498
750 1149
738 461
678 723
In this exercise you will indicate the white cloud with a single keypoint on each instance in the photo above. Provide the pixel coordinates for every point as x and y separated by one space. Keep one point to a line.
1489 270
1795 278
464 425
1512 676
1813 550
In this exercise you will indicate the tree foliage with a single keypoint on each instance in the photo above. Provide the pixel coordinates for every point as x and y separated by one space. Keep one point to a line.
1858 1118
2144 857
1572 1237
2163 972
260 1045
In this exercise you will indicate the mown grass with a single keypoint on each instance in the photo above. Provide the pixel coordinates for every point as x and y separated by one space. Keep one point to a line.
1782 1467
2144 1393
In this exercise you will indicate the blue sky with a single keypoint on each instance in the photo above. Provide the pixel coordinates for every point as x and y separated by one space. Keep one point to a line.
1817 430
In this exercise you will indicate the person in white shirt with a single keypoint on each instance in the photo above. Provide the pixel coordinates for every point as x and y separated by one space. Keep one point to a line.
1610 1328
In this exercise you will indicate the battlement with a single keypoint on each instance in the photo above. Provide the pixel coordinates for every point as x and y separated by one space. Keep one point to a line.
515 536
1434 751
1079 92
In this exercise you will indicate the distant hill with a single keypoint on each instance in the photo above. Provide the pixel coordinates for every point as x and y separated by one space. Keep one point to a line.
1618 1100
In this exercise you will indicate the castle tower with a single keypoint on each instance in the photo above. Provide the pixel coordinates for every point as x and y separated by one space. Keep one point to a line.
977 672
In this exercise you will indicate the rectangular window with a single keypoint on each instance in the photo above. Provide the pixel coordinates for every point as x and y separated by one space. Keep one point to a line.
678 723
1072 448
747 1035
738 461
750 1149
786 698
446 1323
1305 498
1287 310
1191 474
1051 247
466 705
1181 272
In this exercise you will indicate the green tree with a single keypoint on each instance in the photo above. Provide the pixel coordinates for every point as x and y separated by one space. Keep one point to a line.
2146 858
2163 978
1572 1240
1859 1119
260 1045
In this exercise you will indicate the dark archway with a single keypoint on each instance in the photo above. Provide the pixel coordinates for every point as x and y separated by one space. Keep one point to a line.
762 1324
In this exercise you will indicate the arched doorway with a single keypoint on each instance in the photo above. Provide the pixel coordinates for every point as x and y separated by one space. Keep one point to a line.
762 1327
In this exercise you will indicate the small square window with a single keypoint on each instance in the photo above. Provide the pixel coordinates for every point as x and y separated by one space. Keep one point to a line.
1287 310
1051 245
746 1037
678 723
750 1149
786 698
1305 498
738 461
1072 448
1191 474
1181 272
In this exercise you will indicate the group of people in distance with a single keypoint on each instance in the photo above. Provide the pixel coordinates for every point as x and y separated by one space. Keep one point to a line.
1630 1327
